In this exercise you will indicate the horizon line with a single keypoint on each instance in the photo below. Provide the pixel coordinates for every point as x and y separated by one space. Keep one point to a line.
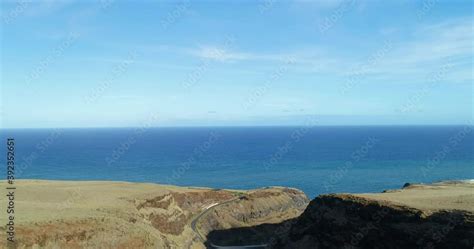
227 126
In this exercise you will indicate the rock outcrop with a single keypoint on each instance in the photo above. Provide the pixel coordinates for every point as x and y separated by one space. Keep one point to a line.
419 216
71 214
265 208
59 214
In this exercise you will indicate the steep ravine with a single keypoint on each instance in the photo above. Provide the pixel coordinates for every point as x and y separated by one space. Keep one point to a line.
345 221
268 206
93 214
90 214
431 216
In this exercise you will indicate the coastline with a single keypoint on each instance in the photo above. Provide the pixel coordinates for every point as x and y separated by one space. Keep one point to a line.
249 158
97 214
90 214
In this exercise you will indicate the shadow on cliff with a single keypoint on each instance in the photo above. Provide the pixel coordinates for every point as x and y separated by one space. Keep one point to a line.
264 234
345 221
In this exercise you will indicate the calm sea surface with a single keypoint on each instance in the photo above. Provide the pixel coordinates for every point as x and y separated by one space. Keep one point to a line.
316 160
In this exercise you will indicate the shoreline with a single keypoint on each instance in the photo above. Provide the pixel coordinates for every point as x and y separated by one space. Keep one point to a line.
85 214
402 185
56 213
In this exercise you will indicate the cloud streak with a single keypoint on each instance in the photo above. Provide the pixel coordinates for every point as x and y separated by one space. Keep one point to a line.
430 46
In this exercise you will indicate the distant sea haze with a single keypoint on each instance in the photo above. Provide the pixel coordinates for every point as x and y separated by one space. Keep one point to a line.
317 160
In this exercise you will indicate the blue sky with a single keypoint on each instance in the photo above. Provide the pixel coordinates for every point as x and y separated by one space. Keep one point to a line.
126 63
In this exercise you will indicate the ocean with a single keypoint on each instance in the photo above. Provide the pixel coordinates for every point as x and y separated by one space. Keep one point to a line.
317 160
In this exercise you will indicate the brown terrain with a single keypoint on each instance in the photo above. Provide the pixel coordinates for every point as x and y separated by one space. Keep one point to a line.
418 216
60 214
92 214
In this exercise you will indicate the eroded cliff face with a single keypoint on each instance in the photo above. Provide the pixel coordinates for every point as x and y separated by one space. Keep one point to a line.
158 220
349 221
265 208
171 213
60 214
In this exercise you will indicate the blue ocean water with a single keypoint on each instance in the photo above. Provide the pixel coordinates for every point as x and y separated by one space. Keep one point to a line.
316 160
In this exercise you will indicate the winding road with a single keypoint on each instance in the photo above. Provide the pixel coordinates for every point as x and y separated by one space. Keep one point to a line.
206 210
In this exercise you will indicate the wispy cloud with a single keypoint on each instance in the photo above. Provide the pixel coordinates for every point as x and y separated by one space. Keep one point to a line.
431 46
218 54
426 48
437 42
123 97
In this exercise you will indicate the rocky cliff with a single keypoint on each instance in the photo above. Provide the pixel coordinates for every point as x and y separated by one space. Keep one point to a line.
72 214
419 216
264 208
59 214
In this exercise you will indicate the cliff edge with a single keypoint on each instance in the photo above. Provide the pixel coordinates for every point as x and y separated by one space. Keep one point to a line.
418 216
101 214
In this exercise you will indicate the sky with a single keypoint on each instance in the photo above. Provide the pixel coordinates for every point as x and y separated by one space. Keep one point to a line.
210 63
